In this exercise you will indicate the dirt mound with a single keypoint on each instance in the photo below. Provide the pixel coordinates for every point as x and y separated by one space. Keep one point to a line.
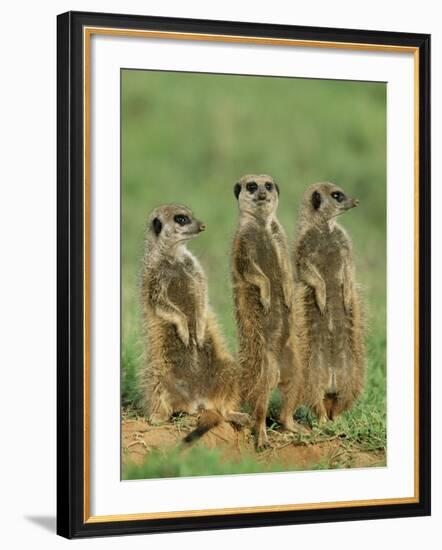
290 450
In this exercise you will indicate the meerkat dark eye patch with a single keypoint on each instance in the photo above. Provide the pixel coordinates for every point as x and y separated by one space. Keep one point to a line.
338 196
316 200
252 186
182 219
269 186
157 226
237 189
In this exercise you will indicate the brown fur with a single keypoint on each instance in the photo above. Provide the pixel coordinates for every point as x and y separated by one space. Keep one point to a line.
329 324
187 368
263 295
207 420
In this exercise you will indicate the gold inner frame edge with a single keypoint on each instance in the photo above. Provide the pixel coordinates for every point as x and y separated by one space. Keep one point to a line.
87 33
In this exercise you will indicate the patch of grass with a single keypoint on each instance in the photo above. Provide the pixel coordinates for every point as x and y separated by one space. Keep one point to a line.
130 361
196 461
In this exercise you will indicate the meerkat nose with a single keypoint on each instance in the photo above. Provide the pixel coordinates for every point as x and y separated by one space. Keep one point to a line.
202 226
356 202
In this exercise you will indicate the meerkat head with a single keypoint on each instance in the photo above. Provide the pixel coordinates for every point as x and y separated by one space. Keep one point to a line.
324 201
171 224
257 195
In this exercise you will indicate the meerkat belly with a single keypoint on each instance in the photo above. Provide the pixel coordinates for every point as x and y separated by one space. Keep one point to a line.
330 334
269 262
183 294
182 361
275 322
329 262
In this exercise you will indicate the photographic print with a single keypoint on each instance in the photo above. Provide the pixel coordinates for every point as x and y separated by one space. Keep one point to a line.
253 257
243 274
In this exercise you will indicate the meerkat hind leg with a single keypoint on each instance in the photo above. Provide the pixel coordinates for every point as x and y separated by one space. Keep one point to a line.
289 394
289 424
288 405
330 403
340 404
259 415
240 419
160 416
259 400
321 412
160 408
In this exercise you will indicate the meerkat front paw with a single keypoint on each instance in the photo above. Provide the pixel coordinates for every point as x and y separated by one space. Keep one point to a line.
321 301
288 296
183 333
200 334
265 302
347 299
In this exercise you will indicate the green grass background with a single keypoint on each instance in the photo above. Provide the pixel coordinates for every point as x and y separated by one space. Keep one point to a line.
189 137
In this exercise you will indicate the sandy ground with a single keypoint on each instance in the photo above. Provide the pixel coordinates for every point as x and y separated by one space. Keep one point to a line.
139 438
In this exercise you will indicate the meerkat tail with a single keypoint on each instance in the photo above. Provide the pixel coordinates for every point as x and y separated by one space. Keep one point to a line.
207 420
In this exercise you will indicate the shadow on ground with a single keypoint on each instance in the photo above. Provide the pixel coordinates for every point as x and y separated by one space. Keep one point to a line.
48 523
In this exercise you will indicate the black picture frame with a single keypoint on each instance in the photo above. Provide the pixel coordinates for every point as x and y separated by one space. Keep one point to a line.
71 520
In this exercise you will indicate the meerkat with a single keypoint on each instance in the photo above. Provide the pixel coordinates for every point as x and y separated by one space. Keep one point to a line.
263 296
188 367
329 329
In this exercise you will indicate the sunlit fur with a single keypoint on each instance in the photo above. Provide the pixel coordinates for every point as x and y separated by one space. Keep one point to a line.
263 294
187 366
328 312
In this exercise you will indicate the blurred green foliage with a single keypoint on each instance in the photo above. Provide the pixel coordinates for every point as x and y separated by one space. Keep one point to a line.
188 137
196 461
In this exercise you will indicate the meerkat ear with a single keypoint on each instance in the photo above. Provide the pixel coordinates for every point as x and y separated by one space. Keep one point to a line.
277 188
237 189
316 200
157 226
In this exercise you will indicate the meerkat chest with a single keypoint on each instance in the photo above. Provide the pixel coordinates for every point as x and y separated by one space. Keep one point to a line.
266 251
185 283
328 255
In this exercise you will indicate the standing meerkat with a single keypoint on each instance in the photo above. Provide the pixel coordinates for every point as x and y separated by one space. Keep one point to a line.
329 327
263 294
188 368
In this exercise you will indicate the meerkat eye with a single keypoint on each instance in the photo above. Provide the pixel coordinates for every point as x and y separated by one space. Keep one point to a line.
338 196
182 219
269 186
252 186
